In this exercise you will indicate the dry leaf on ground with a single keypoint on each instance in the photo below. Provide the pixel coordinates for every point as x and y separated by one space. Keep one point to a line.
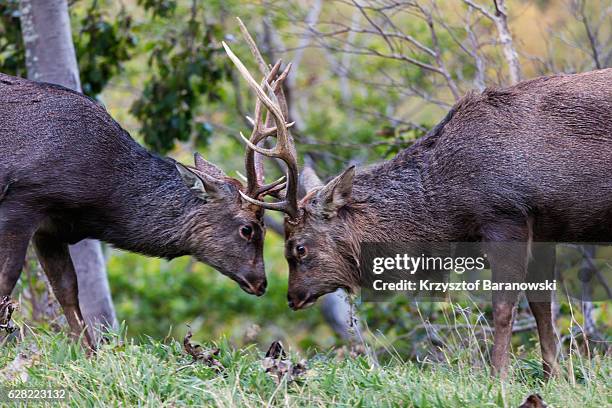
208 357
7 307
18 368
533 401
278 366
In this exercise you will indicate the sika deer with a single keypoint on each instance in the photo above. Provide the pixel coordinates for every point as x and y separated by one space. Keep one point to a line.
68 171
531 162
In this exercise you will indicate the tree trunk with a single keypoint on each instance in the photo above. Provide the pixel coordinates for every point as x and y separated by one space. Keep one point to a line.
505 38
50 57
337 312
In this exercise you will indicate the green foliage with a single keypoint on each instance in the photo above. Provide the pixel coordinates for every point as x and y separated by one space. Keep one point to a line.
159 8
186 68
361 140
102 46
12 55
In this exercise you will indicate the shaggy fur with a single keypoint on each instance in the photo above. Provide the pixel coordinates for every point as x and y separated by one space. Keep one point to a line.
528 162
68 171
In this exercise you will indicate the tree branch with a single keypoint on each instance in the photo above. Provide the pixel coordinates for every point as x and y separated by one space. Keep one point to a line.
500 18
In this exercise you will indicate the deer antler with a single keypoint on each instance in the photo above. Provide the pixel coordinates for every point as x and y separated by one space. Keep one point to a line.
284 149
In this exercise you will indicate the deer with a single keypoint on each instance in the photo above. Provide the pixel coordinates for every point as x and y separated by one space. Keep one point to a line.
335 309
523 164
68 171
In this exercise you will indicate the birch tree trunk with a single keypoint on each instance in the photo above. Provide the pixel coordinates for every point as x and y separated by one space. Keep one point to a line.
50 57
505 38
500 19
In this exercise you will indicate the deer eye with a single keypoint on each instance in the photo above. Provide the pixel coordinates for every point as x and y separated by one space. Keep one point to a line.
300 251
246 231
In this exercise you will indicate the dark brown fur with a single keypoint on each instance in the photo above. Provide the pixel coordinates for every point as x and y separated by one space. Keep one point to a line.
68 171
533 161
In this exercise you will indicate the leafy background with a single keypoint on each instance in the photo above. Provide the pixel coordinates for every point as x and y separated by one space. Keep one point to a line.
158 67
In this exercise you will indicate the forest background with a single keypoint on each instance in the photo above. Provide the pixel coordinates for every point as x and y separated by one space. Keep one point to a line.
369 77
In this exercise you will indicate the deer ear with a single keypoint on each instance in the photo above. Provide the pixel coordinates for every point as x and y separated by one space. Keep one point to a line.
207 167
202 185
336 194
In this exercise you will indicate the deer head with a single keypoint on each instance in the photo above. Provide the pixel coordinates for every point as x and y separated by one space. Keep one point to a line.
317 235
239 254
233 242
321 243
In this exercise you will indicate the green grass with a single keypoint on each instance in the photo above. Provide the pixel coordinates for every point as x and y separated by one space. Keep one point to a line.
154 373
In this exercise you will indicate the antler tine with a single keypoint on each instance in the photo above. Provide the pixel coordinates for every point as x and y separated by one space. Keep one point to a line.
284 149
286 145
261 94
280 92
268 130
254 162
263 68
276 185
276 206
251 159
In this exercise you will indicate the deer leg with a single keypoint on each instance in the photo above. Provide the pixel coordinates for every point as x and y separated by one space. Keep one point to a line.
542 311
508 258
503 317
57 264
13 247
542 267
15 234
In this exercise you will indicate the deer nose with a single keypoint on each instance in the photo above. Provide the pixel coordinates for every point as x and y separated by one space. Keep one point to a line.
260 288
299 300
254 286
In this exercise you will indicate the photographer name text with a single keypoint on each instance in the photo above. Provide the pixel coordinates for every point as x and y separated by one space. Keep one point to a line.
484 284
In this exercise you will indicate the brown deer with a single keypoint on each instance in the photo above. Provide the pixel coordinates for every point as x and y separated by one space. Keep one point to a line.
527 163
335 308
68 171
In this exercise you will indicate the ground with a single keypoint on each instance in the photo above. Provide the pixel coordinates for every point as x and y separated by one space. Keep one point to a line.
161 373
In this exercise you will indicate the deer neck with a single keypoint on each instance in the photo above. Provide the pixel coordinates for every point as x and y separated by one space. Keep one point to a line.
391 202
151 209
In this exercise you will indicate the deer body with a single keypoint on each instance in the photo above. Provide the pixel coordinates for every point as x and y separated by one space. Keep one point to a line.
532 162
68 171
110 199
542 149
